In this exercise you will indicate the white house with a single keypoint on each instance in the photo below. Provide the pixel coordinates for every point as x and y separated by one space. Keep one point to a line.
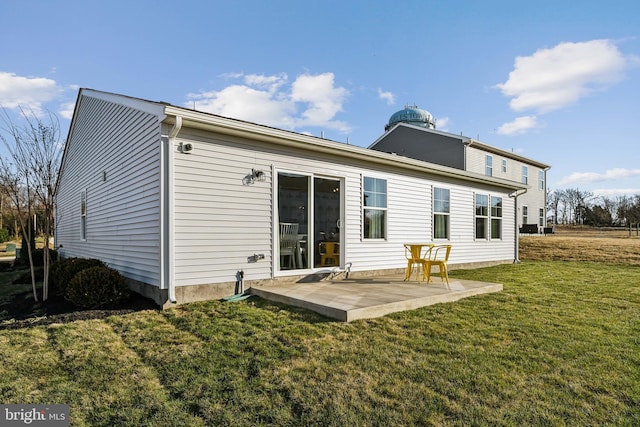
411 132
181 201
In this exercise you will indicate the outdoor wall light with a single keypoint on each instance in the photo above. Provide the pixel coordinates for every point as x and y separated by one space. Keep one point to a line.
255 175
185 148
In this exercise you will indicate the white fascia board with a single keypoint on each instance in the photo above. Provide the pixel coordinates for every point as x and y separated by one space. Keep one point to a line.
508 154
252 131
151 107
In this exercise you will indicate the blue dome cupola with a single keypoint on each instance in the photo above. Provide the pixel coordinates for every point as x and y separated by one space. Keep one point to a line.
412 115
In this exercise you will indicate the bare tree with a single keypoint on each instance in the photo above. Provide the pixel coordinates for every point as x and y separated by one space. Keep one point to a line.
629 210
553 203
30 174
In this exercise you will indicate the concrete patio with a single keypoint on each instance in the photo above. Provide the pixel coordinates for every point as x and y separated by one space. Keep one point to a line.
366 298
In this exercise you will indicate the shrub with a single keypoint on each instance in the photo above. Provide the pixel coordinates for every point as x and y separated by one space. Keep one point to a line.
63 271
96 287
36 254
4 235
25 276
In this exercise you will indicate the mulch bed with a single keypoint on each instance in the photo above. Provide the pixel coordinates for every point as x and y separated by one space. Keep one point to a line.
22 312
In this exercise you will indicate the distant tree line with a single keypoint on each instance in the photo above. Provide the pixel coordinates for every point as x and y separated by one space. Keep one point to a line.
577 207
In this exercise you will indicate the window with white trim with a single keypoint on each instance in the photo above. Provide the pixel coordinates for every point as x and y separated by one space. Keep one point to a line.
541 215
504 165
488 217
488 168
540 180
525 175
496 217
525 215
441 207
83 215
374 212
482 216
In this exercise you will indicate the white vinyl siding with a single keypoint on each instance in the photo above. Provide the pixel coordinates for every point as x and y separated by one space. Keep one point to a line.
476 160
123 211
219 221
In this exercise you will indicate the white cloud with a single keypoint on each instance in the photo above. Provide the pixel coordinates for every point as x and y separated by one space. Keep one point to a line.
26 92
589 177
245 103
310 100
557 77
387 96
518 126
271 83
441 123
66 110
322 98
614 192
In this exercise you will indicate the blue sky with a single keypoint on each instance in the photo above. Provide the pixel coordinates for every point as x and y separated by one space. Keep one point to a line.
556 81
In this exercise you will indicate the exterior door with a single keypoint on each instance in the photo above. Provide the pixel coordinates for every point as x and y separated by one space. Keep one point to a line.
309 221
327 222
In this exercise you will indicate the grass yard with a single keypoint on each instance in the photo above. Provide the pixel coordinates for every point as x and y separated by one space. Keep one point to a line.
559 346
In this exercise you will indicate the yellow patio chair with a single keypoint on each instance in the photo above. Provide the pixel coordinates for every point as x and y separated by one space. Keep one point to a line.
438 255
329 252
416 254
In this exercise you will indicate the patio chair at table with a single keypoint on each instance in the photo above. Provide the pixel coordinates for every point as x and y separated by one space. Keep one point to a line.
329 253
438 256
288 244
416 254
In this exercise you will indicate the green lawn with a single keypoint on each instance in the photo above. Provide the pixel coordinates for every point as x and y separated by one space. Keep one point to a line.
559 346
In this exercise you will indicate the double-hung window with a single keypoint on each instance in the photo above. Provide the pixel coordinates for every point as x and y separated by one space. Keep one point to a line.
540 180
83 215
488 217
482 216
504 165
441 207
525 215
488 167
541 216
374 212
496 217
525 175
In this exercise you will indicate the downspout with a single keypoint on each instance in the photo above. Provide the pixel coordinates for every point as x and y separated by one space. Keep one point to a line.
168 248
546 201
516 232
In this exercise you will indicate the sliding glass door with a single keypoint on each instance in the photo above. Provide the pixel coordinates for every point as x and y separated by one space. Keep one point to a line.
309 221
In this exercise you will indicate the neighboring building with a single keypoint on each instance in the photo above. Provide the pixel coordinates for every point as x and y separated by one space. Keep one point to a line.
411 133
183 203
